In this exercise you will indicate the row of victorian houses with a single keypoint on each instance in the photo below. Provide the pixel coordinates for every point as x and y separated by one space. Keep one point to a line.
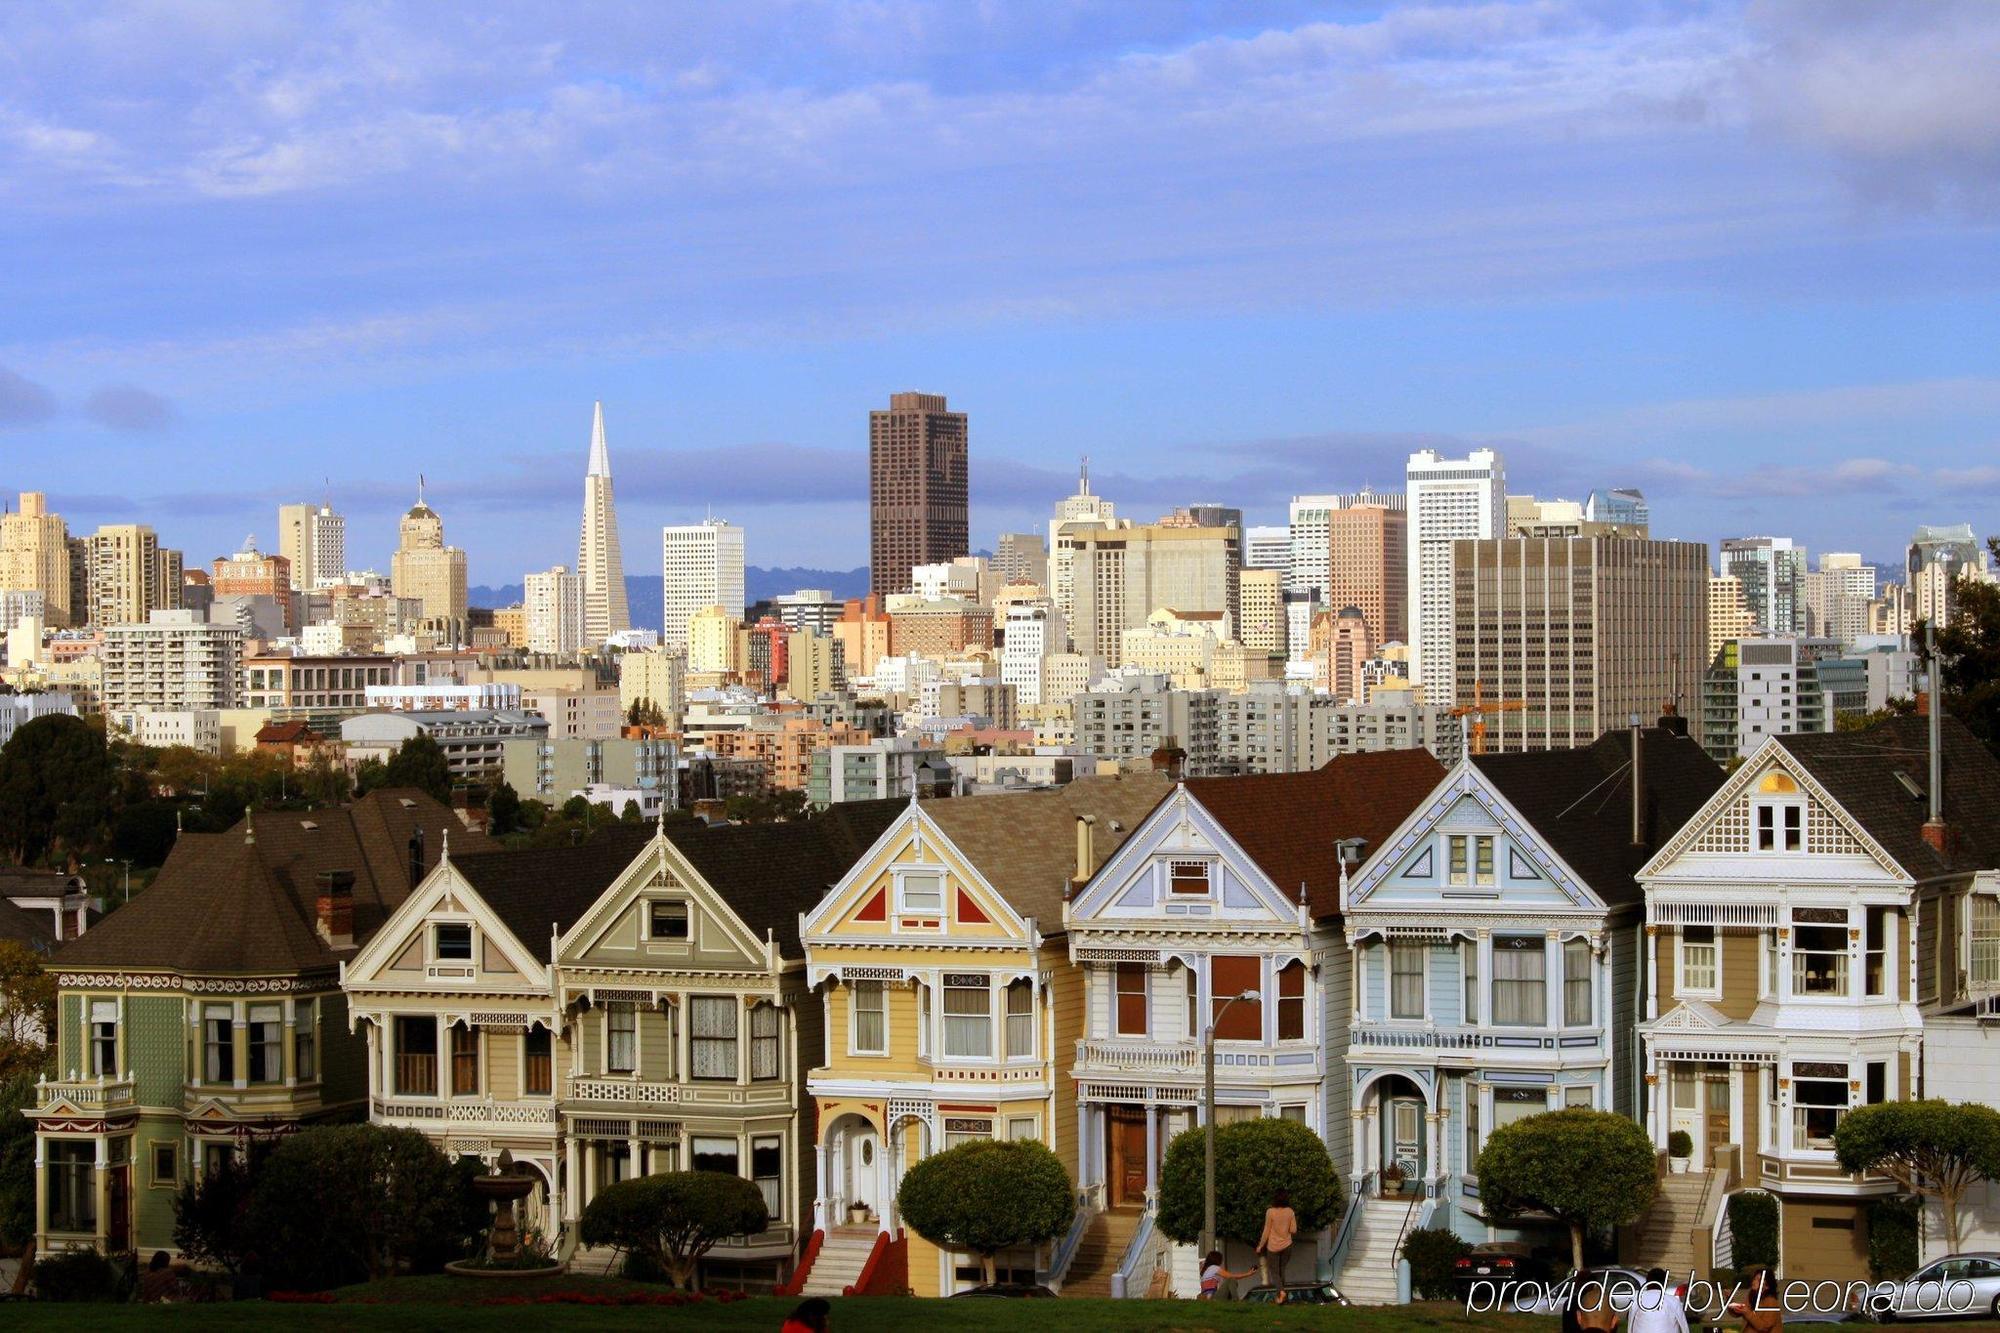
1399 956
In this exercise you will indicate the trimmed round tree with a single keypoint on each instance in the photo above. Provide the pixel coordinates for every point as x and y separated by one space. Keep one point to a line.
675 1218
1933 1149
987 1196
1254 1159
1588 1170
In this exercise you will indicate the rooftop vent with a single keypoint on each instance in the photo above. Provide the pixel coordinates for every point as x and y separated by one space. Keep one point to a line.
1910 785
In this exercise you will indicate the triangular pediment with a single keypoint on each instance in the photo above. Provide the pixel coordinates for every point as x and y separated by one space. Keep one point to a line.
913 883
1466 847
1181 865
661 912
404 953
1691 1016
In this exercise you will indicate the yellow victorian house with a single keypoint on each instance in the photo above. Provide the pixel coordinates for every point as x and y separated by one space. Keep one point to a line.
952 1011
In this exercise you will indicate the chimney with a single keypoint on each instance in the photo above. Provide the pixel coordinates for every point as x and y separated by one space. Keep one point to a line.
416 856
1638 783
1671 720
1086 850
335 907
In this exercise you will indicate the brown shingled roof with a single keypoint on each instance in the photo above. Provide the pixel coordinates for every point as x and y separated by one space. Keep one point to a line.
1024 843
1289 822
226 904
1859 768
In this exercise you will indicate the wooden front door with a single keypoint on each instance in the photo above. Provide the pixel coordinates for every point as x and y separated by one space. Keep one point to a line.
118 1236
1128 1155
1715 1119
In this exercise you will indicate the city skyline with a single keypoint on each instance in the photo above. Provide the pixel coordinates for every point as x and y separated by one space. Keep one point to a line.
1705 278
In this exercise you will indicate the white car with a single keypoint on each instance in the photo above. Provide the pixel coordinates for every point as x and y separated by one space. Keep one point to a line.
1949 1288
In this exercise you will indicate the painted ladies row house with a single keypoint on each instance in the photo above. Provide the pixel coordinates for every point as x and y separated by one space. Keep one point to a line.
1801 925
1230 887
634 1005
951 1008
205 1017
1497 946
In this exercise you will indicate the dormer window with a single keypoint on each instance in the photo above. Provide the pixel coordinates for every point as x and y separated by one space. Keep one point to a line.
920 893
1470 859
1188 878
451 941
668 921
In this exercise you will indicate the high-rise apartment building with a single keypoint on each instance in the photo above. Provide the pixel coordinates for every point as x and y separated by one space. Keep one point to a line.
34 557
130 575
1759 688
600 565
1031 634
553 604
424 568
1120 576
1368 568
1581 632
701 565
251 573
171 661
1260 592
715 641
1728 612
1837 595
917 488
1448 500
1938 558
1021 557
1772 570
313 539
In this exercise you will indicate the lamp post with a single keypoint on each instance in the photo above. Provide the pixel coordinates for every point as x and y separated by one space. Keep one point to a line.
1208 1122
118 861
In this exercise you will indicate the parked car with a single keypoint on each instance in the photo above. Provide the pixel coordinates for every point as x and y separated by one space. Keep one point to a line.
1013 1290
1499 1261
1952 1287
1298 1293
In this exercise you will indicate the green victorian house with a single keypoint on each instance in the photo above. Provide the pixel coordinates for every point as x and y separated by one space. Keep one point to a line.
206 1017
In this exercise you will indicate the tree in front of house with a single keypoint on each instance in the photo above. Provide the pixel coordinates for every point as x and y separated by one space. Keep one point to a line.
987 1196
1933 1149
503 811
57 787
1254 1159
1589 1170
213 1222
675 1218
1968 649
418 762
27 1011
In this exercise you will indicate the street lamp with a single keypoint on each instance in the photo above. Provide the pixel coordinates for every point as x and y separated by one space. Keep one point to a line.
116 861
1208 1122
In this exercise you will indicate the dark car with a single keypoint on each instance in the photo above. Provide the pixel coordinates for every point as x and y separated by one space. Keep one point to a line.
1500 1261
1014 1290
1298 1293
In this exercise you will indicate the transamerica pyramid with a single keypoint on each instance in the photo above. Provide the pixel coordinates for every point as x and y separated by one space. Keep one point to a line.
598 562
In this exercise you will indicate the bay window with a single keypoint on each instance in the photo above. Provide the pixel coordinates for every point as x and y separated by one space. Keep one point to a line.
1020 1018
1819 1103
1468 961
716 1154
538 1076
966 1130
712 1036
621 1037
218 1024
1699 951
1875 952
1576 984
1520 981
416 1056
104 1038
767 1159
1406 979
72 1185
1511 1104
1985 959
464 1060
1233 976
266 1043
305 1042
1819 951
968 1015
764 1030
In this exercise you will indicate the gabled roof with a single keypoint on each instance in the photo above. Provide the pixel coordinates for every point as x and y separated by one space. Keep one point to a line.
25 927
1859 770
767 873
1579 801
27 882
1289 822
243 902
1024 843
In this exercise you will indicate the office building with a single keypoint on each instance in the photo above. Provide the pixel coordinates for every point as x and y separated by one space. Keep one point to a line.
917 488
701 565
554 606
1021 557
1448 501
1760 688
1623 507
1368 567
1837 595
1268 546
130 575
1571 637
1032 633
600 562
251 573
1120 576
656 679
1728 612
35 557
313 541
171 661
939 626
1772 571
1938 558
863 631
811 609
1083 510
1260 594
425 569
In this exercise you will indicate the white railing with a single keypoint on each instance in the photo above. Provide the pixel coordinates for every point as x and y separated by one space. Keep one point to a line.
1177 1056
484 1111
1416 1038
88 1094
624 1090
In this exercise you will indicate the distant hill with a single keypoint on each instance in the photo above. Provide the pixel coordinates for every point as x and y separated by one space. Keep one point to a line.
759 583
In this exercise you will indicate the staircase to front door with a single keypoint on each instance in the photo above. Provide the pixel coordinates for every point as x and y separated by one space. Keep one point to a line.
842 1255
1367 1274
1098 1252
1667 1236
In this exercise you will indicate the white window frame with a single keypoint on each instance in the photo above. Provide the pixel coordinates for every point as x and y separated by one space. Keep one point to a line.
945 1017
1587 1101
1029 1020
1684 959
773 1206
1423 952
1973 940
854 1046
733 1006
1457 860
1489 845
1167 891
471 958
91 1023
1782 814
1589 980
904 874
611 1006
687 914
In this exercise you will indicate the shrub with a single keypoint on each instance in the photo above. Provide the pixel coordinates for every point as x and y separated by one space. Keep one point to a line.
82 1275
339 1204
1433 1253
1892 1237
1753 1229
1680 1143
984 1197
675 1218
1589 1170
212 1222
1254 1159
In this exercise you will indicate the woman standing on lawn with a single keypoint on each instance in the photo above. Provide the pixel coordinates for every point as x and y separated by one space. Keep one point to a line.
1281 1224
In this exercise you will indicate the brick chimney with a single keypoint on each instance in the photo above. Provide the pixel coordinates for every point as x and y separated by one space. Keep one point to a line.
335 907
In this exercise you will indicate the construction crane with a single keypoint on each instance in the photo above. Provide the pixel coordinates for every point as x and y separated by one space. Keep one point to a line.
1478 710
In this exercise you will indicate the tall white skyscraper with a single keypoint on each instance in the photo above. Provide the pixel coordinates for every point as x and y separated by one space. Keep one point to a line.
1035 633
552 604
1447 499
701 565
599 563
1267 546
314 539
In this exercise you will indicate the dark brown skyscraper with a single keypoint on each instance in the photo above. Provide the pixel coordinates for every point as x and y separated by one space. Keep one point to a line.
916 488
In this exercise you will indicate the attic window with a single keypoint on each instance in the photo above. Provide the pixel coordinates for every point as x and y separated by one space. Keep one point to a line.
669 921
453 941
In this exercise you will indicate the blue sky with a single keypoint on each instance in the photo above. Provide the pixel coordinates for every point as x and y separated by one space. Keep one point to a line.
1742 256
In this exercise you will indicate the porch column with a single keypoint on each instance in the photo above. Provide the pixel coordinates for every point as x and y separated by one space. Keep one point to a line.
1434 1159
1152 1154
1552 991
41 1195
821 1187
375 1087
1085 1157
1651 942
1743 1150
589 1177
1358 1120
632 1146
572 1181
100 1183
883 1193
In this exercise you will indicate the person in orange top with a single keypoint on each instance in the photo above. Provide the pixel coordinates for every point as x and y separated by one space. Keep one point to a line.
1281 1224
810 1317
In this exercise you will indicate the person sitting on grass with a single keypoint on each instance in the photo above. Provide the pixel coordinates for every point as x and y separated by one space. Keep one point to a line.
1212 1273
810 1317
